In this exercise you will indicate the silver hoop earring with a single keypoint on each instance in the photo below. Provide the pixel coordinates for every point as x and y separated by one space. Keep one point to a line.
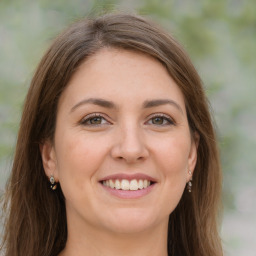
53 184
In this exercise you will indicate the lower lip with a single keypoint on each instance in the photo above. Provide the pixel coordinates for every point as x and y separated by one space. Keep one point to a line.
129 194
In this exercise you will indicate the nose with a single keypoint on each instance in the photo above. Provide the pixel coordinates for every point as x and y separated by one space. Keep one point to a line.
130 145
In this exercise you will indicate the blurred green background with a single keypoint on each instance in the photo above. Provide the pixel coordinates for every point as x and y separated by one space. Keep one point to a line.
219 35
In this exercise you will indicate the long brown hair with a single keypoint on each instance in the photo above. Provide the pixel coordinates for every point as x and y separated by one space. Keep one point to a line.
35 216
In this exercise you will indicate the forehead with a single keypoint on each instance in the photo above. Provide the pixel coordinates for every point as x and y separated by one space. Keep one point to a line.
117 74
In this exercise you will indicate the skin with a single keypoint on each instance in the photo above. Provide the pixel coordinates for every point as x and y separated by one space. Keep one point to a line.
127 138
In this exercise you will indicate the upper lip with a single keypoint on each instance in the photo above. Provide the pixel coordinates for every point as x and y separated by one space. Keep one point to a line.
135 176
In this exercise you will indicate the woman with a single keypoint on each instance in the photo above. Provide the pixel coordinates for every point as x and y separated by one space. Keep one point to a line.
114 127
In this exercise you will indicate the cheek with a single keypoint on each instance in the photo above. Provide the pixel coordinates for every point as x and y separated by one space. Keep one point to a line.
174 153
78 159
172 161
172 164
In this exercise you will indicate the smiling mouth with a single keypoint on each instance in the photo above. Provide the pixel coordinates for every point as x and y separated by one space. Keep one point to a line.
124 184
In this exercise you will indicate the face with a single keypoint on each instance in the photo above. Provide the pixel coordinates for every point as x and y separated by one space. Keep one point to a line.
122 147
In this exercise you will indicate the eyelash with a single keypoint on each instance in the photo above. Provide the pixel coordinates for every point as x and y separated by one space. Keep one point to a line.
88 118
167 118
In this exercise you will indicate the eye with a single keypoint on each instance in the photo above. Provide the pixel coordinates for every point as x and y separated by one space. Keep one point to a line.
161 120
94 120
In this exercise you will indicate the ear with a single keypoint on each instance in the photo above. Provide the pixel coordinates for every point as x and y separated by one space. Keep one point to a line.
192 158
49 159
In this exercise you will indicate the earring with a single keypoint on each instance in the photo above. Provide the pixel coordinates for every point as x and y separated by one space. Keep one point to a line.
189 184
53 185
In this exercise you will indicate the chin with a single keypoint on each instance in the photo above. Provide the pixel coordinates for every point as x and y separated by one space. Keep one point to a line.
130 221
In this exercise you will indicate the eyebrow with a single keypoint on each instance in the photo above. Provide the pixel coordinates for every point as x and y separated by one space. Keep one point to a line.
160 102
111 105
94 101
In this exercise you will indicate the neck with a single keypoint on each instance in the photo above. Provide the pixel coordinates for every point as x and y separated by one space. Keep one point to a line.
93 242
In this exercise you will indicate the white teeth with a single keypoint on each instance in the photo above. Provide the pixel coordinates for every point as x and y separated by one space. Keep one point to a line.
126 184
134 185
140 184
117 184
111 184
